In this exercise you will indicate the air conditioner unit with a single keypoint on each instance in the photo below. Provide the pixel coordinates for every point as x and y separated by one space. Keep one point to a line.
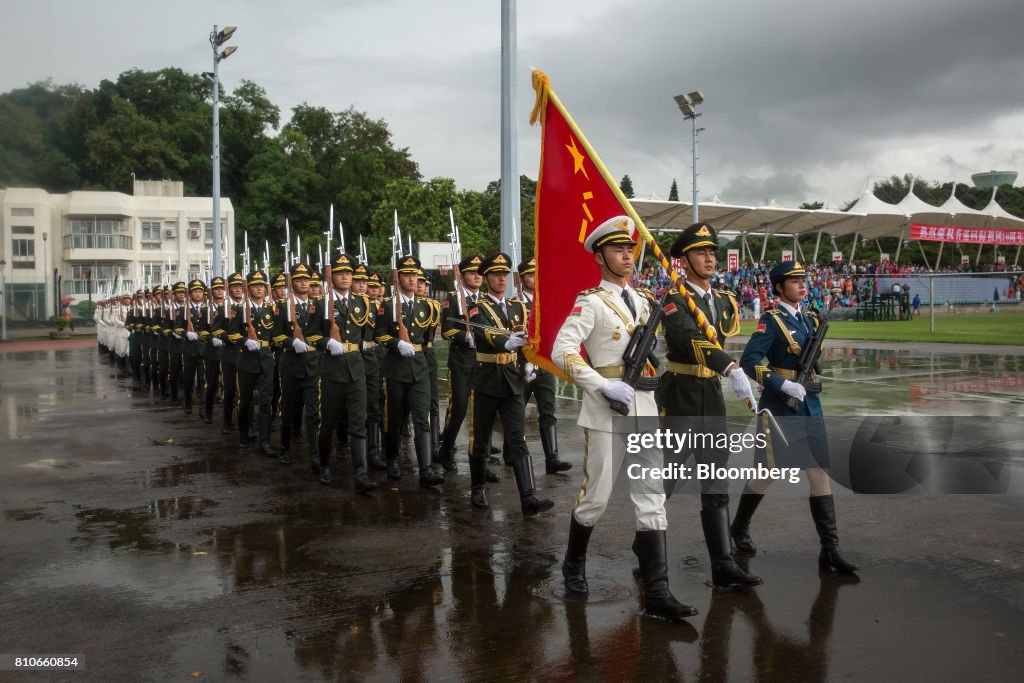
193 233
170 233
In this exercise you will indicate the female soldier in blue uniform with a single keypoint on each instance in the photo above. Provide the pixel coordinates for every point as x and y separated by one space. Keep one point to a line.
772 359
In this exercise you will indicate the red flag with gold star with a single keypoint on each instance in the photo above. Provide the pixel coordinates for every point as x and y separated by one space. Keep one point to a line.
575 194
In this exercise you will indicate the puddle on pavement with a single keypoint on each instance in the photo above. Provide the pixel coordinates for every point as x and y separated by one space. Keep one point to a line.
133 529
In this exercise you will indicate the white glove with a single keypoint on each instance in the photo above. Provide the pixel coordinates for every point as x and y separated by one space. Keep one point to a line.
120 323
617 390
793 389
217 343
741 385
530 371
405 348
191 336
470 342
335 347
516 341
252 345
299 346
176 335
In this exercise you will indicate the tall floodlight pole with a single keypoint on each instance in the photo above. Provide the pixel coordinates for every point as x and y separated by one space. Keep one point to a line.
218 38
688 105
509 129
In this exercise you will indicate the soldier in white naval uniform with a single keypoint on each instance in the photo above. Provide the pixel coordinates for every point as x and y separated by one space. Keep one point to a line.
602 320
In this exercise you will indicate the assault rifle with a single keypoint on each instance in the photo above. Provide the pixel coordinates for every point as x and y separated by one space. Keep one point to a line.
810 357
638 354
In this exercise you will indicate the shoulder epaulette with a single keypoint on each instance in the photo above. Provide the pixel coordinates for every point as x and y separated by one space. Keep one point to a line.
589 291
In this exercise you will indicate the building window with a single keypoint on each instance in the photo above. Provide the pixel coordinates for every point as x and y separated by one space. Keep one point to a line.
95 278
97 234
24 265
23 248
23 230
150 234
23 211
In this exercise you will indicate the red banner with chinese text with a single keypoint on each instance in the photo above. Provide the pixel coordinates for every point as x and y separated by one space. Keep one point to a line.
952 233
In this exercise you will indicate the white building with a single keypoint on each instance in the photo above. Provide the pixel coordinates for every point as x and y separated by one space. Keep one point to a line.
59 246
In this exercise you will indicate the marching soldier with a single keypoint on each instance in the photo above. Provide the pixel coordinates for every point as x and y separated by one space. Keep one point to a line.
187 321
691 386
603 320
174 342
543 387
499 385
771 357
405 371
375 290
423 289
361 280
461 357
251 330
142 322
279 290
301 338
134 324
164 339
343 373
156 340
230 351
210 346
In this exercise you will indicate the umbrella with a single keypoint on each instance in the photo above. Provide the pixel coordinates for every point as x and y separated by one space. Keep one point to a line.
68 300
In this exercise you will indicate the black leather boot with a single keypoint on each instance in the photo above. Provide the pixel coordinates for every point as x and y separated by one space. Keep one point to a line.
823 512
740 529
574 566
446 457
265 447
651 551
428 477
435 434
187 396
362 482
226 426
522 467
283 455
373 448
321 459
175 401
724 571
549 441
478 481
243 433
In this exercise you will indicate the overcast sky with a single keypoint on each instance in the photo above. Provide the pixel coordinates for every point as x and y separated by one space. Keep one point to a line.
805 100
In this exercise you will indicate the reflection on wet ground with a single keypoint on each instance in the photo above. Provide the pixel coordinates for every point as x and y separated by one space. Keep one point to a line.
168 554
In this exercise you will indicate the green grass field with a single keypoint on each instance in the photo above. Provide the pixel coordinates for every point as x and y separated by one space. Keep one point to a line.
999 328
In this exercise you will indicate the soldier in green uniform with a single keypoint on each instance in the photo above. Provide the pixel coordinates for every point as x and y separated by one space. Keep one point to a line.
229 352
187 324
279 290
172 338
251 330
691 385
210 347
423 290
343 373
360 285
153 330
163 331
461 355
499 386
542 386
301 337
375 394
133 323
405 370
142 331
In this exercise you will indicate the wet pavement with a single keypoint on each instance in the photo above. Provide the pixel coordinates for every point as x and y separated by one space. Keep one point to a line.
143 540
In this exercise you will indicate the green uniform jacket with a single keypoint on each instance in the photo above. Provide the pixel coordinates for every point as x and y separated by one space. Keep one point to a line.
263 320
311 321
353 316
417 319
497 379
186 347
460 355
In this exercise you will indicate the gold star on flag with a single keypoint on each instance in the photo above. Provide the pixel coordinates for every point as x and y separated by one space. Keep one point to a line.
577 158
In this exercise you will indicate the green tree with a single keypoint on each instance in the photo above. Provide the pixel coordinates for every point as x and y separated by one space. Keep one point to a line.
626 185
673 192
812 206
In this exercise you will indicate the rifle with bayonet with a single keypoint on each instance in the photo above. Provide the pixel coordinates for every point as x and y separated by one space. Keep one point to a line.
335 333
396 302
460 290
